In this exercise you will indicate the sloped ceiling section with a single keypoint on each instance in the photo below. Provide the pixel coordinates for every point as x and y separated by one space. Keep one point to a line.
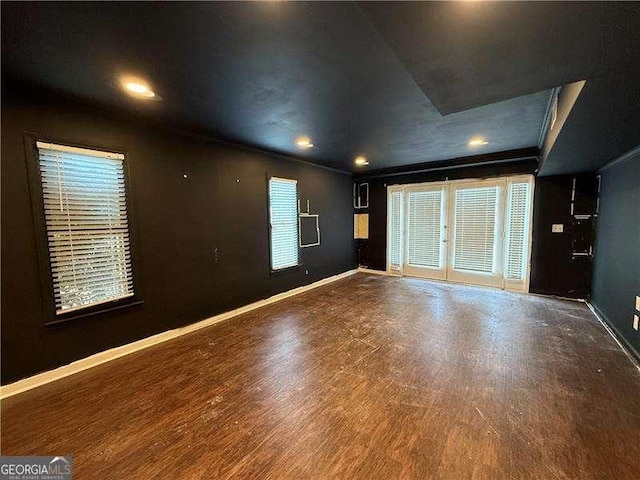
467 54
603 125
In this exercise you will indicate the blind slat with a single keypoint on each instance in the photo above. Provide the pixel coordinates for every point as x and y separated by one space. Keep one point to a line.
91 243
91 285
87 265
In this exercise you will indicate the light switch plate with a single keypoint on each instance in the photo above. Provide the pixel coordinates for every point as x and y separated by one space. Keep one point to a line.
638 303
635 322
557 228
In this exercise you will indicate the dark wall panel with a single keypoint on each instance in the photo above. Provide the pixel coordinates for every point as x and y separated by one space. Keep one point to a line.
616 279
202 245
554 268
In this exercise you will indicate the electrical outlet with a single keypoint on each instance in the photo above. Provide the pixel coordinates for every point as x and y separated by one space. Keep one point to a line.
638 303
636 319
557 228
306 272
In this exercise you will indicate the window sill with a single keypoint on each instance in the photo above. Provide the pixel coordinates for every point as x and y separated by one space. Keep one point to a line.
287 269
93 312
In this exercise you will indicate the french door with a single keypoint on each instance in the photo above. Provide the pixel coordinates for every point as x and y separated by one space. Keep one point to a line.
424 252
476 221
475 232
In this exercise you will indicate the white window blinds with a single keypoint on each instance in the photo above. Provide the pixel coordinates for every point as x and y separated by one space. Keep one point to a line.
283 214
395 231
424 228
517 229
475 228
87 228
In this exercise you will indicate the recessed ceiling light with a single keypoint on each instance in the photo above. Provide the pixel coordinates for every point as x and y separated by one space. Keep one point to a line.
138 88
304 142
477 142
361 160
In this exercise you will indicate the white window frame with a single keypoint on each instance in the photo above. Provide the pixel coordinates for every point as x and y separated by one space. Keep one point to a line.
390 267
513 284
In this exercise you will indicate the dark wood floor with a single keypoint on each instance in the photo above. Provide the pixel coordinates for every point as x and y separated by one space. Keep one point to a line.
369 377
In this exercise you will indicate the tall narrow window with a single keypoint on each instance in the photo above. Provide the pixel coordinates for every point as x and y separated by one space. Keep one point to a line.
85 209
517 230
395 231
283 214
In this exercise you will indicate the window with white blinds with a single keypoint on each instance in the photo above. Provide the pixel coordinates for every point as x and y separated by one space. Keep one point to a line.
517 229
475 228
395 231
85 208
424 228
283 215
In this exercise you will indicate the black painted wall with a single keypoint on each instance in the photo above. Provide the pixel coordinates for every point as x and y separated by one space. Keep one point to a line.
179 222
554 269
616 279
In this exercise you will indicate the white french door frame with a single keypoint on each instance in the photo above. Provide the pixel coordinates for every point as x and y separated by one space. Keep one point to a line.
446 272
493 279
432 272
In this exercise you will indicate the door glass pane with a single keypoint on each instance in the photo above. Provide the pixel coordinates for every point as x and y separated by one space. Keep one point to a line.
424 229
475 228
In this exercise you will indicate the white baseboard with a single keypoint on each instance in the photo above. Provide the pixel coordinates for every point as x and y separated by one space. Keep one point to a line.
557 297
117 352
599 316
369 270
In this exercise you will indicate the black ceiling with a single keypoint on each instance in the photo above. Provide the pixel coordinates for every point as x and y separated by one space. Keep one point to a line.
356 78
463 55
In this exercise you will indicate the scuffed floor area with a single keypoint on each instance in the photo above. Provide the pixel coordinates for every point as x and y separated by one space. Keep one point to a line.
368 377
